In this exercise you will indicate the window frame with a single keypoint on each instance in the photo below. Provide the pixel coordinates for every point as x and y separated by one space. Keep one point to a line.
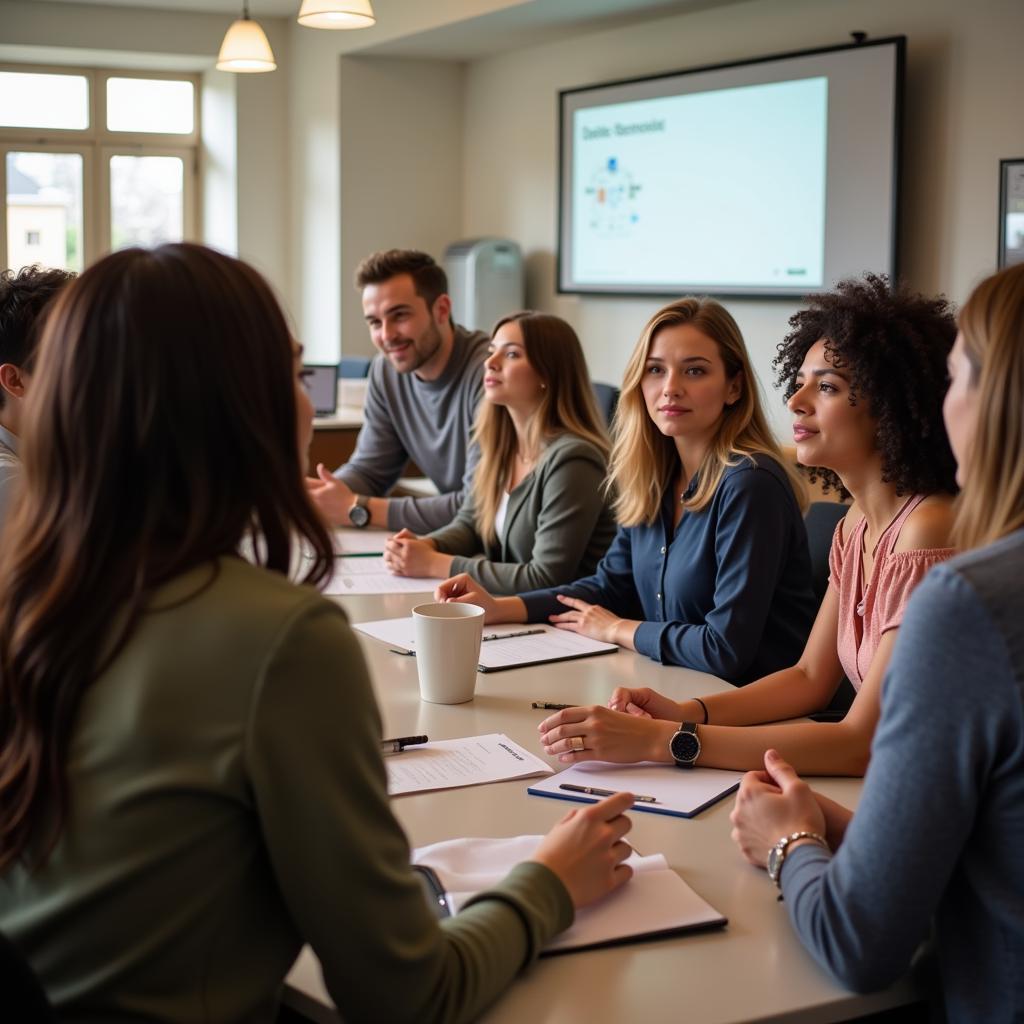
96 144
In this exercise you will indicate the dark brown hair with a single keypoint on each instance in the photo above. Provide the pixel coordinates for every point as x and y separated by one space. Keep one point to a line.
24 297
429 280
160 432
892 343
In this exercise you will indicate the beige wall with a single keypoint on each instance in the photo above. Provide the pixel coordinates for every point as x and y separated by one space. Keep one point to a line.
965 77
401 167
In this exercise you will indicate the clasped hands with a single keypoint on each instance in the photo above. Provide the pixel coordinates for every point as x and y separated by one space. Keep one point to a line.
405 554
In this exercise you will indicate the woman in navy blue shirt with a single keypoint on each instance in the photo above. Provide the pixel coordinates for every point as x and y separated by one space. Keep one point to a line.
710 567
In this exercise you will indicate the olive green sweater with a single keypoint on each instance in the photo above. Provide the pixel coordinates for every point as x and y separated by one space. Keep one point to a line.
558 525
228 802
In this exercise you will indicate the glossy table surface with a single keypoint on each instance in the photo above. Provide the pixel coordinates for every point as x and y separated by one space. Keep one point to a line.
753 970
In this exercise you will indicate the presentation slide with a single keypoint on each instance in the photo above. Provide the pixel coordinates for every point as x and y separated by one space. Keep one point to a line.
725 187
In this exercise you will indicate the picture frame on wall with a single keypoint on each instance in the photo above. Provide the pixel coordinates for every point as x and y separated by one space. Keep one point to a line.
1011 212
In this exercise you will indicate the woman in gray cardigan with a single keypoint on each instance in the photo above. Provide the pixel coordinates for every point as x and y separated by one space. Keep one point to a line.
538 514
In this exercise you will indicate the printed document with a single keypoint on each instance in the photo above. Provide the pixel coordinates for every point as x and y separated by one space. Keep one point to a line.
541 644
368 575
448 764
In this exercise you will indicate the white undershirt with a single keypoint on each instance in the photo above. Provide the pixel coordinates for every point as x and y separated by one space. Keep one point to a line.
499 515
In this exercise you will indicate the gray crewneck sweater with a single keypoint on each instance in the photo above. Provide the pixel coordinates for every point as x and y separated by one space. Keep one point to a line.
939 832
428 421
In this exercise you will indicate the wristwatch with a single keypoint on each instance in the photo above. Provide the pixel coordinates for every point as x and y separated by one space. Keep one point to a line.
685 745
777 854
359 514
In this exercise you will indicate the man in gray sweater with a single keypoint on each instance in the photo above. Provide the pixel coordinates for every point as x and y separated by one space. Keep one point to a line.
420 402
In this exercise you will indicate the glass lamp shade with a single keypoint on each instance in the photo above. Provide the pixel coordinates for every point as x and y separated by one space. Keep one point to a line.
245 49
336 14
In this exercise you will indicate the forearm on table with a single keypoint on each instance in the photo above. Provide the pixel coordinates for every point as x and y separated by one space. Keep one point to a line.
788 693
812 748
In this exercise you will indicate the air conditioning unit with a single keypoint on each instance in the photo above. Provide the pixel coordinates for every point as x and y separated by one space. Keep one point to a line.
485 281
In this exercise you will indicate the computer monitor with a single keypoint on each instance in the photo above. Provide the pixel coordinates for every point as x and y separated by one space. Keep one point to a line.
322 382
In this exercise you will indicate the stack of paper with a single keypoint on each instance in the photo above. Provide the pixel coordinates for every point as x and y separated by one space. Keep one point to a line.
350 541
512 646
680 792
654 902
446 764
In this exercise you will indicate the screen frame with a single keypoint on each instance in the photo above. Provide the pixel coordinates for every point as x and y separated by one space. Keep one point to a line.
900 44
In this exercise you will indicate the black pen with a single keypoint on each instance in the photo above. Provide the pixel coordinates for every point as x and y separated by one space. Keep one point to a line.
546 705
594 791
396 746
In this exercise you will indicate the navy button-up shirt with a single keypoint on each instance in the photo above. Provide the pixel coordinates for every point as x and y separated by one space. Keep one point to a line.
727 592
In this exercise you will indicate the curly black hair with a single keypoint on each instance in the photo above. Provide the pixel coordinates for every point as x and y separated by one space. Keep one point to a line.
893 344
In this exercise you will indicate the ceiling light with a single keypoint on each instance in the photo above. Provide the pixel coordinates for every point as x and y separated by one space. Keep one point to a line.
245 49
336 14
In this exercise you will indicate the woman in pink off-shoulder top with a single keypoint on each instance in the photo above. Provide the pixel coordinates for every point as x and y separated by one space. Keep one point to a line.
864 370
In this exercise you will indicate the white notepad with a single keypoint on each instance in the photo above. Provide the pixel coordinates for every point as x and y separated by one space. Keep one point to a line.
368 575
654 902
472 761
680 792
549 644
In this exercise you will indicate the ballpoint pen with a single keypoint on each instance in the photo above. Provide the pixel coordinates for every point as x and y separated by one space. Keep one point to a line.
396 746
547 705
509 636
594 791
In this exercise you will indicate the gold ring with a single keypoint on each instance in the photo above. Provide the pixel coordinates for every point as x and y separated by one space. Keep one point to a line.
577 743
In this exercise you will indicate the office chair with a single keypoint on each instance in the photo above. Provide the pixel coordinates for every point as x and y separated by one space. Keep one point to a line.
354 367
821 519
607 396
21 996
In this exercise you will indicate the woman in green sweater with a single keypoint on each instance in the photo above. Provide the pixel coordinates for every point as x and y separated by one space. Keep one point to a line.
538 513
190 777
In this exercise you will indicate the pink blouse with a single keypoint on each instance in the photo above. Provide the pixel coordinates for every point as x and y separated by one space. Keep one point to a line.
866 613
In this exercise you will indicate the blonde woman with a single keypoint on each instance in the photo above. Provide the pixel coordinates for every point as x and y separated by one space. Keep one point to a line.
850 362
709 568
537 514
935 845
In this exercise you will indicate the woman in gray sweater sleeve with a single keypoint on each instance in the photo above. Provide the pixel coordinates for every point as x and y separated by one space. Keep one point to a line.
938 832
538 514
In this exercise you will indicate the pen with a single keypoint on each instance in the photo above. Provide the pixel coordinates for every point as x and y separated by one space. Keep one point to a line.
547 705
508 636
396 746
594 791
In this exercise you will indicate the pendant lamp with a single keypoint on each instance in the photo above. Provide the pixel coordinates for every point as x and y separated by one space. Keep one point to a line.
336 14
245 49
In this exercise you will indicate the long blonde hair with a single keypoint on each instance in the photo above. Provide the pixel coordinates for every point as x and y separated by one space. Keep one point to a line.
643 459
991 504
567 405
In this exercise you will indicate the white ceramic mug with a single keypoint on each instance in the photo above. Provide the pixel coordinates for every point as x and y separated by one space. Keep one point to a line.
447 650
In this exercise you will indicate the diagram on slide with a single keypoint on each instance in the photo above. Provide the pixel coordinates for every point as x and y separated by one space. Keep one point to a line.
611 195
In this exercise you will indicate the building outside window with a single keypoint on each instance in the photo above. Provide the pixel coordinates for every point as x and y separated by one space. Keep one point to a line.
94 160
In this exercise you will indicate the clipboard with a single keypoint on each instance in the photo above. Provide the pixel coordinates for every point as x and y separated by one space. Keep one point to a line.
678 792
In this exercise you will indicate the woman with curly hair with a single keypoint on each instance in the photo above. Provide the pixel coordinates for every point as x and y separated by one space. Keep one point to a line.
864 372
709 568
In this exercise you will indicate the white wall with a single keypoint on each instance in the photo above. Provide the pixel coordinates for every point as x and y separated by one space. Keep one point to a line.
965 77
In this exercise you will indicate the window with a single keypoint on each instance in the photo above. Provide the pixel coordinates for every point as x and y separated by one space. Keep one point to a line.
92 161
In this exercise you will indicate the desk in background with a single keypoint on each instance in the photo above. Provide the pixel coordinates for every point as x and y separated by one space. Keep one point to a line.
754 970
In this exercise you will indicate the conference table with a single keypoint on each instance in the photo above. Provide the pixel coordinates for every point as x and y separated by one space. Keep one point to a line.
752 970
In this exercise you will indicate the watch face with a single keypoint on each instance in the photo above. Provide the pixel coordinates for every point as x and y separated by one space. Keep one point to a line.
685 747
359 515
